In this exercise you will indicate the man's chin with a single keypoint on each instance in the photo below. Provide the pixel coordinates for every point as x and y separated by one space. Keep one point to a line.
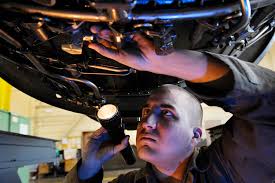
146 153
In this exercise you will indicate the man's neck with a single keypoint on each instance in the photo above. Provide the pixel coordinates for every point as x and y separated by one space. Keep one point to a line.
171 171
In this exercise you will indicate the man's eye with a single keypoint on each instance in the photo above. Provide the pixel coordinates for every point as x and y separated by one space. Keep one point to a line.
145 112
167 113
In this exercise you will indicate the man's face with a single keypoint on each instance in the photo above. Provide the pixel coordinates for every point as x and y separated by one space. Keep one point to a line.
164 133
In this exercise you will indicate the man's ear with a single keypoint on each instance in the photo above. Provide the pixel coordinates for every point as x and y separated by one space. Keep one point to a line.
197 136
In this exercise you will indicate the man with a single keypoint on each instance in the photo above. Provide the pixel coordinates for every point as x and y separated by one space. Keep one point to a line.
168 132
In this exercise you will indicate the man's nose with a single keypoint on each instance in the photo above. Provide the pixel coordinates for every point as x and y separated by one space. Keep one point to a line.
150 123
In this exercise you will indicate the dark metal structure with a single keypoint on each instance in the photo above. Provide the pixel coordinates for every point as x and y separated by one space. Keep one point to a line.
44 45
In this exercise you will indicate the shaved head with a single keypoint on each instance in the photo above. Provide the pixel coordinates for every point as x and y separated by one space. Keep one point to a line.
186 102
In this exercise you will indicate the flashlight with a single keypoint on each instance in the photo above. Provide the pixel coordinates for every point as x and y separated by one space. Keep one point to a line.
109 117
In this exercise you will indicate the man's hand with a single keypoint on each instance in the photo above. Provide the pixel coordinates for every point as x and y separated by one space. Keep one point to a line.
185 64
143 62
96 151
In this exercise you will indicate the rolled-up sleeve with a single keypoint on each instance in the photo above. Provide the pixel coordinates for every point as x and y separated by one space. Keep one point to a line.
248 142
253 93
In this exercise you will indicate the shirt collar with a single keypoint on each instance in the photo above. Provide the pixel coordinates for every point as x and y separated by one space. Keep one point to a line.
198 162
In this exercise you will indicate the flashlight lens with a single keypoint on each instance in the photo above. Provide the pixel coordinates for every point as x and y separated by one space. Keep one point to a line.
107 112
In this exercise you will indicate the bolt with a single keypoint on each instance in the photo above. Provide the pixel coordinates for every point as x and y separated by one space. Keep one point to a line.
58 96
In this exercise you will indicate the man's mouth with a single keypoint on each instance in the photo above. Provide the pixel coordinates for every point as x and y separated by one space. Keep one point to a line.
147 138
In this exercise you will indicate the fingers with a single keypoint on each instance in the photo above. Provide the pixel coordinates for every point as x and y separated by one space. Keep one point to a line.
124 143
106 34
98 132
107 44
109 150
106 52
131 58
145 45
95 29
105 47
97 138
102 33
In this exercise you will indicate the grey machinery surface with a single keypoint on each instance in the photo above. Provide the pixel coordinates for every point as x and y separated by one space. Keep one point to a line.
19 150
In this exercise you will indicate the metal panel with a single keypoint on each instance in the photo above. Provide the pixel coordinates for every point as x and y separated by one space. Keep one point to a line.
19 150
9 175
